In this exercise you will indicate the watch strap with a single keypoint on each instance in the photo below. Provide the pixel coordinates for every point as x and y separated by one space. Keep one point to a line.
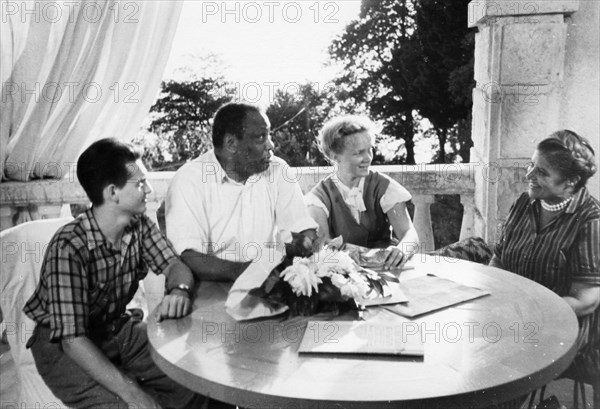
182 287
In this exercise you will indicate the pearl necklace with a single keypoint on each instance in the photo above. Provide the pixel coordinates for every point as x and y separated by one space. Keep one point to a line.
556 207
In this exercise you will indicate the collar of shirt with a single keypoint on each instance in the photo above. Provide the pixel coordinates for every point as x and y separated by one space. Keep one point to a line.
219 173
216 171
353 197
222 177
578 198
94 236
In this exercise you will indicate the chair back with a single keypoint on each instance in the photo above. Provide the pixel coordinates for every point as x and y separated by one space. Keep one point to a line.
22 253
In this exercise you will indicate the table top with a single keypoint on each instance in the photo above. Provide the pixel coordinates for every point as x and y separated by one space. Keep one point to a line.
476 353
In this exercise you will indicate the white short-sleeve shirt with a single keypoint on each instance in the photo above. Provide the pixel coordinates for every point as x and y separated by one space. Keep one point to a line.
210 213
353 197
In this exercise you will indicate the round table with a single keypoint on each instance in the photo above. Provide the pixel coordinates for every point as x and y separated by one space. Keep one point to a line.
477 353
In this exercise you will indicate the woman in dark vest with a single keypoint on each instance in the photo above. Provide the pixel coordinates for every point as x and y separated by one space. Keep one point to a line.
357 203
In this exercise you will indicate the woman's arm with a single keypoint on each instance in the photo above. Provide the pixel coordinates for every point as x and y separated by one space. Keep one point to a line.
319 216
496 262
583 298
406 233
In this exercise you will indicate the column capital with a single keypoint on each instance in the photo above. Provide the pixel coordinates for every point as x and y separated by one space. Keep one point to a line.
482 12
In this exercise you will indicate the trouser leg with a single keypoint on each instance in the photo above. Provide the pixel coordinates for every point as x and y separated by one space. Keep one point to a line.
137 362
128 350
65 378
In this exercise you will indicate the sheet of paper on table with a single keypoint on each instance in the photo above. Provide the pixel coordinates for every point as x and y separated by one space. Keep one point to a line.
431 293
360 337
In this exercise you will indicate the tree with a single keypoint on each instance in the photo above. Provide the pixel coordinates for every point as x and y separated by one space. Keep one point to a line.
180 119
365 49
295 123
297 118
411 55
179 122
444 71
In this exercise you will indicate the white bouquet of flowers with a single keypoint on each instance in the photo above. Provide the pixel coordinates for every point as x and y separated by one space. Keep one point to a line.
330 279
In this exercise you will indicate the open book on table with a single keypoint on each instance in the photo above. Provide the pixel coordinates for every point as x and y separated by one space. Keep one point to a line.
360 337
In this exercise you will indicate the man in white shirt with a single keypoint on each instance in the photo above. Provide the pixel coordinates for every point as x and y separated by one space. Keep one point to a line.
232 204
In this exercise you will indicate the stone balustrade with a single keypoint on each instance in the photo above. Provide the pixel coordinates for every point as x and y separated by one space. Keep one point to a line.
21 202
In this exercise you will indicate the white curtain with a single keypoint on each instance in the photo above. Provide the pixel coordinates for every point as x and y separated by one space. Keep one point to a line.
74 72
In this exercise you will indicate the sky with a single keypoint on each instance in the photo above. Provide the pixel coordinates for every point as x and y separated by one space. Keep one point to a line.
259 45
262 46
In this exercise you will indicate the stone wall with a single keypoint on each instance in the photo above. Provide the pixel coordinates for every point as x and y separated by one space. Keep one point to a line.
580 97
536 69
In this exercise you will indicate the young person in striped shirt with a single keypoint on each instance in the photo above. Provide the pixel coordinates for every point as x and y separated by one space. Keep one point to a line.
552 234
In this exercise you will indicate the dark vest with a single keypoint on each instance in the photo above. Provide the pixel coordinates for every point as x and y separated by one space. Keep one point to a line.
374 228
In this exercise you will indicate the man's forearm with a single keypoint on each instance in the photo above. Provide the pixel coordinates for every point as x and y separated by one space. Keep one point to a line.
179 273
211 268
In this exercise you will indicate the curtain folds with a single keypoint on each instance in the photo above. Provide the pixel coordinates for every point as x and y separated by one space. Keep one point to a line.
74 72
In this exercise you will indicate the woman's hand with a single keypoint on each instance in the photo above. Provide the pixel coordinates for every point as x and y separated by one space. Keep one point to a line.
583 298
394 258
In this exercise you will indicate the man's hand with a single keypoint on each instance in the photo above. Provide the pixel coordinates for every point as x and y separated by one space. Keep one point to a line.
301 246
138 398
394 258
174 305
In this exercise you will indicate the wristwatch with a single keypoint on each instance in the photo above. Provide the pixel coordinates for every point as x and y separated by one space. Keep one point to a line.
183 287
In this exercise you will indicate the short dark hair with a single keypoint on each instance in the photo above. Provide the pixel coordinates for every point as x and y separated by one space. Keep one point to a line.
570 154
103 163
230 119
332 138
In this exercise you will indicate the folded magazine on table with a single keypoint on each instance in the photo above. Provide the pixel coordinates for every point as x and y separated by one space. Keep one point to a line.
360 337
431 293
394 295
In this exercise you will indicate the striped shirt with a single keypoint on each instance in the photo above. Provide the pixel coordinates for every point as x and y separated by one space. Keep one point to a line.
565 251
86 282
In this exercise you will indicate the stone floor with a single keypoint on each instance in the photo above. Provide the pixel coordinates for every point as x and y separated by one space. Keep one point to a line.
563 389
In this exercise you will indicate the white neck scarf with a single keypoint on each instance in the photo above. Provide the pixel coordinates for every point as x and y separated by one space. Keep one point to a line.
353 197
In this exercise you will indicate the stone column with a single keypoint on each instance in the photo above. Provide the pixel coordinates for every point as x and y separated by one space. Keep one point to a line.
519 68
466 229
7 215
422 221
